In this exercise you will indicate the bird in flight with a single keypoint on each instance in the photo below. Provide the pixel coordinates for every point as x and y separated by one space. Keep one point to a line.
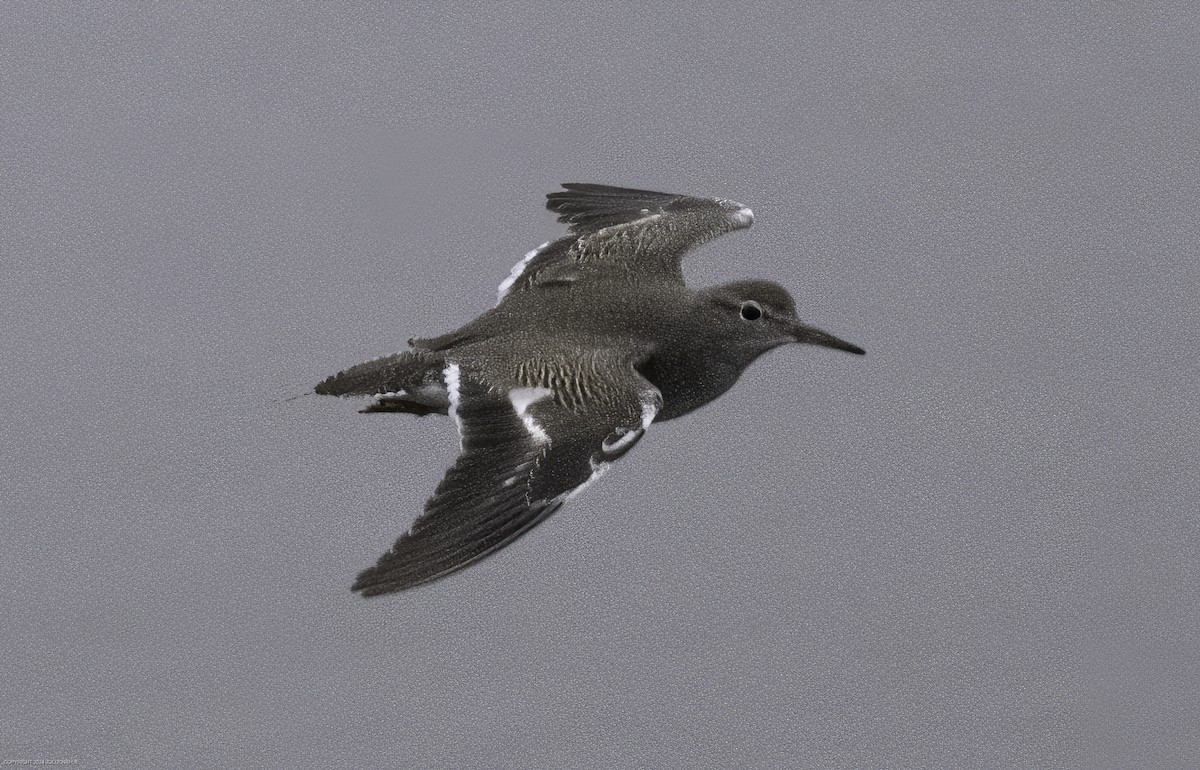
594 338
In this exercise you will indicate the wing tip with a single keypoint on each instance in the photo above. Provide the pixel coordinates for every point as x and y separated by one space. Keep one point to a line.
366 590
380 580
588 206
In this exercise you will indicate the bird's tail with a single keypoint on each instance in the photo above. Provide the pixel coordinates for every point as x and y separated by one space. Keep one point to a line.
410 381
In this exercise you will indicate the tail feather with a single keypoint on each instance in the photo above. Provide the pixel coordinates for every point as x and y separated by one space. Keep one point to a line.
406 371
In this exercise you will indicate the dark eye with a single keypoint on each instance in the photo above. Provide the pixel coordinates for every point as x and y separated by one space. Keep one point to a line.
751 310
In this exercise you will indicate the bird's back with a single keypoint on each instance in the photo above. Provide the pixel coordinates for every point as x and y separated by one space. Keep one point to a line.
549 327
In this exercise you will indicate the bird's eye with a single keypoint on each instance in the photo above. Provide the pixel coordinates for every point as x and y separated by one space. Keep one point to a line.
751 310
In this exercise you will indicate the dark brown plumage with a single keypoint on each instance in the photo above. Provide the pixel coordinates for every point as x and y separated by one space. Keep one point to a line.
594 338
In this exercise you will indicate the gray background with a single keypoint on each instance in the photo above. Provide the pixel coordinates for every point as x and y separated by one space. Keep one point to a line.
976 547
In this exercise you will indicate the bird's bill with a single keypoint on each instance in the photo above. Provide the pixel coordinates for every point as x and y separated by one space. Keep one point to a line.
809 335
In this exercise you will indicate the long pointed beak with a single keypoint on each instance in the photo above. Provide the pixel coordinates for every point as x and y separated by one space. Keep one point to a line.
810 335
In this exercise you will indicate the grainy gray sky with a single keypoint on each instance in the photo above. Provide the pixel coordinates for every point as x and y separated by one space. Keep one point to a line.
978 547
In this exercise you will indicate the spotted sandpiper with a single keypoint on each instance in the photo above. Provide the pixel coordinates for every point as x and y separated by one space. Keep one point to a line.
594 337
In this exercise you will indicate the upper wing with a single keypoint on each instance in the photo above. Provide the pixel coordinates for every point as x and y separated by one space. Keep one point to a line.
524 453
622 229
591 208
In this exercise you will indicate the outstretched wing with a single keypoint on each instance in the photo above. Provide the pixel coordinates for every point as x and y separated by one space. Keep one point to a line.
524 453
622 229
591 208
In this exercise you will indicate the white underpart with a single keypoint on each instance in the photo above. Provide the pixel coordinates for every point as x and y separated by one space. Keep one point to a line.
450 376
598 470
391 394
521 398
650 402
627 437
516 272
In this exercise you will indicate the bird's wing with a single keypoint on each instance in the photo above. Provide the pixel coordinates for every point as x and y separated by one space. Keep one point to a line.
592 208
524 453
622 229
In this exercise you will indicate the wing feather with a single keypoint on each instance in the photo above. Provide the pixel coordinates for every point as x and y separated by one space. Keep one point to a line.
510 477
622 230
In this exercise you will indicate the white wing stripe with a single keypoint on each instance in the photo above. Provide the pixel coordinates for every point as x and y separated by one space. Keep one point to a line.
516 272
521 398
648 218
451 377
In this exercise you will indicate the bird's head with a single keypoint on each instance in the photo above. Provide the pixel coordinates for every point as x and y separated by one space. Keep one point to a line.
755 316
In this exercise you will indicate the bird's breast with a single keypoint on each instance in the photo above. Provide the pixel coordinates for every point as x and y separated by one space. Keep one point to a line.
688 379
